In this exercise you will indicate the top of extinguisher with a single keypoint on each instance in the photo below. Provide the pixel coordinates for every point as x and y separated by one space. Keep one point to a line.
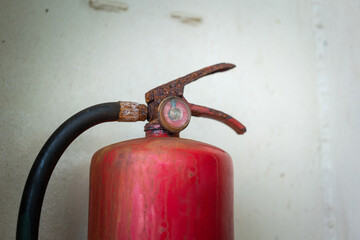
168 109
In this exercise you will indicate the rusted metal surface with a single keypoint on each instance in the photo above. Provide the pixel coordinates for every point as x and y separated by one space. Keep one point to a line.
132 112
156 130
159 188
200 111
175 88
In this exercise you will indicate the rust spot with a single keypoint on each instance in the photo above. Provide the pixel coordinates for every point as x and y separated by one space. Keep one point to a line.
132 112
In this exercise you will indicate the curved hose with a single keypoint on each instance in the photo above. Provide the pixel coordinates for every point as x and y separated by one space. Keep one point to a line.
45 162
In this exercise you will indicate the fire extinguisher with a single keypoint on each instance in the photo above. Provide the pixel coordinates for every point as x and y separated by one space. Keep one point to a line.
157 187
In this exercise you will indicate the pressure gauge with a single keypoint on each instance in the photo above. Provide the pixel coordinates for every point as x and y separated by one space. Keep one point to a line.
174 113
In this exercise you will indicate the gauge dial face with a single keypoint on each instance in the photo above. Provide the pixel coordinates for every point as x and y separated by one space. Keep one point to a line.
174 114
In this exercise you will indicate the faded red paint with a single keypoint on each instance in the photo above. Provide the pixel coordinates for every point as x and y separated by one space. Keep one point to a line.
161 188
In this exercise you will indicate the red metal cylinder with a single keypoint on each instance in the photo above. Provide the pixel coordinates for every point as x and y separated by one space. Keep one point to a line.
161 188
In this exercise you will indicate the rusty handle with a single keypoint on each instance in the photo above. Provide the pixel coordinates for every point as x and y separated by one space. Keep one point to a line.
202 73
200 111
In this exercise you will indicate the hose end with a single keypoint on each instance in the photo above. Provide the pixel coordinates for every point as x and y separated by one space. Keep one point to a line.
132 112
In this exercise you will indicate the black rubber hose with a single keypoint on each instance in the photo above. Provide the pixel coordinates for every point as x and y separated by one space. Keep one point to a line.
45 162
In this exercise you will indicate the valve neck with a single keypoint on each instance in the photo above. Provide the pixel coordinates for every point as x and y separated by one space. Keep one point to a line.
156 130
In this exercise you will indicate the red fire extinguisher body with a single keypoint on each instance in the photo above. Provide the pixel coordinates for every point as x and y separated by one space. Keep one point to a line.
161 187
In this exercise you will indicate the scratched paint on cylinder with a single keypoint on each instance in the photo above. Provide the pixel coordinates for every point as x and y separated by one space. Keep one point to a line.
161 188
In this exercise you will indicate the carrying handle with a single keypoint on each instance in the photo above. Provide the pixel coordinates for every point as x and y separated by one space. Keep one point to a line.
182 81
176 87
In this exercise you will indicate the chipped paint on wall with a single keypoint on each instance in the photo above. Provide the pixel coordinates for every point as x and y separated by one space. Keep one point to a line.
324 136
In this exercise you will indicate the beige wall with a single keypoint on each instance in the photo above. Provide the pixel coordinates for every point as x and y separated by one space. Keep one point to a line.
296 88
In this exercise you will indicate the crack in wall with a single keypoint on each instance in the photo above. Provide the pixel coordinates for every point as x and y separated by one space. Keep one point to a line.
326 165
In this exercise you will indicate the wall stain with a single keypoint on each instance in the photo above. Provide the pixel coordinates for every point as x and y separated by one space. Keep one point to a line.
108 5
187 18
